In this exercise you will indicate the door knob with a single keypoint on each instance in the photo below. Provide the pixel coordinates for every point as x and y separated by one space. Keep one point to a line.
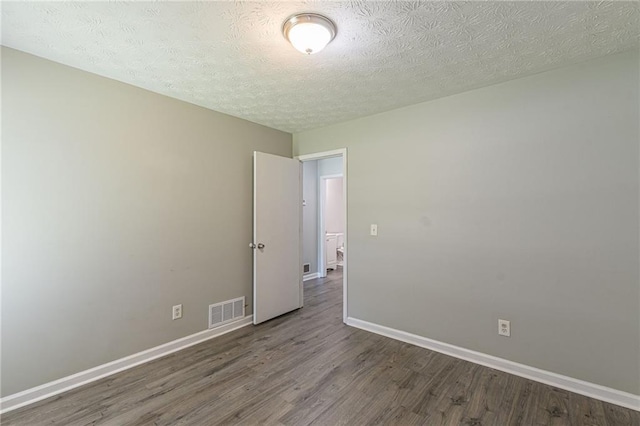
260 246
252 245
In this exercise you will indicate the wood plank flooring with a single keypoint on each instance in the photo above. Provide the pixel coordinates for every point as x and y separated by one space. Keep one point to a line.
307 367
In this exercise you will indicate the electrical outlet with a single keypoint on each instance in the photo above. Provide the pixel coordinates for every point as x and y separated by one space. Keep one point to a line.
374 230
504 328
176 312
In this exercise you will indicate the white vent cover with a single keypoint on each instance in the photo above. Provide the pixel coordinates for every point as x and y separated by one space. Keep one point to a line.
224 312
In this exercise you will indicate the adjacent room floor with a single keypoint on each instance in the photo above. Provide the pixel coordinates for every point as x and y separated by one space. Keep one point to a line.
308 367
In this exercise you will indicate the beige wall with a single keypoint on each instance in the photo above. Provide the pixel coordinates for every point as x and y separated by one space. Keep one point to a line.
516 201
117 204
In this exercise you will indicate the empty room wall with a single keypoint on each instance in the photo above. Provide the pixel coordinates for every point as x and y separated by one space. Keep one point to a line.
117 204
515 201
330 166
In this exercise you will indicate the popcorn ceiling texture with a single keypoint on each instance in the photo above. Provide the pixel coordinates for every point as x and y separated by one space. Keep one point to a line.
231 56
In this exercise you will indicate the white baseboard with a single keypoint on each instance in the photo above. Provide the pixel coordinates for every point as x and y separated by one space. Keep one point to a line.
624 399
29 396
310 276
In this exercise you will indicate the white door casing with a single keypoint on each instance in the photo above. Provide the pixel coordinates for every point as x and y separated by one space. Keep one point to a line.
277 242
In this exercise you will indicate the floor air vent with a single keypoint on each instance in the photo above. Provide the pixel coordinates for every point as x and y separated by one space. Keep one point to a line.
224 312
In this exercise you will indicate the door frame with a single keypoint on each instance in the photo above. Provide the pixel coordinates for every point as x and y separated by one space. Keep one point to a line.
342 152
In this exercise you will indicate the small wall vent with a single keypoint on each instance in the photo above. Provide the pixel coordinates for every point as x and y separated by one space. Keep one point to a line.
224 312
306 268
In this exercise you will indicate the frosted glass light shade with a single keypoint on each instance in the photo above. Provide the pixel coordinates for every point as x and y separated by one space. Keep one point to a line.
308 32
309 37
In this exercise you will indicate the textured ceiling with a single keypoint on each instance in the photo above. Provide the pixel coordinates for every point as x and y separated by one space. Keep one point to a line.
231 56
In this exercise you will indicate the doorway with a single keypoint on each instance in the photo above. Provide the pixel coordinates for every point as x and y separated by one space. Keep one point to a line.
324 229
331 221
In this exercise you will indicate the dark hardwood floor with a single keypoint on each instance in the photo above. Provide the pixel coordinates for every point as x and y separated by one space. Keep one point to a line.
307 367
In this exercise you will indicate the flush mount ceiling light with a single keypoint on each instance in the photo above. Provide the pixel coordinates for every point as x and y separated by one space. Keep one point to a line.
309 32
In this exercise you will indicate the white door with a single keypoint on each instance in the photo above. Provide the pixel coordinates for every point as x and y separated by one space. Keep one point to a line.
277 212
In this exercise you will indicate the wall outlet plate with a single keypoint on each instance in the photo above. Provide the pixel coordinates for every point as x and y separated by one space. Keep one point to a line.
504 328
374 230
176 312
